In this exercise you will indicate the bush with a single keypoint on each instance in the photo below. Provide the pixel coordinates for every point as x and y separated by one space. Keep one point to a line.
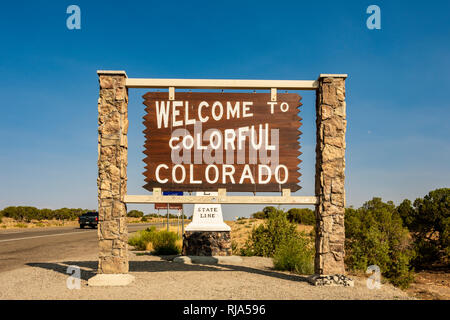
375 236
164 242
135 214
264 239
296 255
141 239
429 221
303 216
259 215
264 214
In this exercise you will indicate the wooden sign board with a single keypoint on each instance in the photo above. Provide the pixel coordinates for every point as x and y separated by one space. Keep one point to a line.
242 142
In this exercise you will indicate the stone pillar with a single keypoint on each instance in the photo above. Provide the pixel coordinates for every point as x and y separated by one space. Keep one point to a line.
330 165
112 172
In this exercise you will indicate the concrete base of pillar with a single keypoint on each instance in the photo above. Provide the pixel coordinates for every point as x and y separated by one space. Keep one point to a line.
339 280
208 259
110 280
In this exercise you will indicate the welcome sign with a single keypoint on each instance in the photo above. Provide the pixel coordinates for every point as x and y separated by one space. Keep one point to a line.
239 141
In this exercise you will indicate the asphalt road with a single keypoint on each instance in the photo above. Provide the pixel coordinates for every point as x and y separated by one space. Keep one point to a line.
19 247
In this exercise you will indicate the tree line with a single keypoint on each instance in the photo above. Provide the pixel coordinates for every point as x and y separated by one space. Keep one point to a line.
27 213
304 216
140 214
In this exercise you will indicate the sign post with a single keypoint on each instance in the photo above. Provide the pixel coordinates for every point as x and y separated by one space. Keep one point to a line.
182 221
167 218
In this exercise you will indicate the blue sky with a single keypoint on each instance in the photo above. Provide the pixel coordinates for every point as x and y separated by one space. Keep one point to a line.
398 90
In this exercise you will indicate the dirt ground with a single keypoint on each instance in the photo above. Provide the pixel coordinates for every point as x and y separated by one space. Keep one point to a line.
431 285
157 278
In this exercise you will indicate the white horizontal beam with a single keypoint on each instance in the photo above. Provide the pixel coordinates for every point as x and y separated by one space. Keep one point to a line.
142 199
222 84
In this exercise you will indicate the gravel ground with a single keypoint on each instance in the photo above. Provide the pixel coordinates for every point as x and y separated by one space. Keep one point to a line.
157 278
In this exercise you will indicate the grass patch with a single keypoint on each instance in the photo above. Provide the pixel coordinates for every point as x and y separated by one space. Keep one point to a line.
161 242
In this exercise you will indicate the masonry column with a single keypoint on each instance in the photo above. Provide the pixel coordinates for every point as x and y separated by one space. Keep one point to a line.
112 172
330 166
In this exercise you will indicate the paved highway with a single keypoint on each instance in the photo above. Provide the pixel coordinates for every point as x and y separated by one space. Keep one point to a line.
19 247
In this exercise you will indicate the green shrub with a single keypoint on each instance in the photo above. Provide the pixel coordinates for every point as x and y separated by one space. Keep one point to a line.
259 215
164 242
144 219
295 255
429 221
264 239
142 238
375 236
264 214
303 216
135 214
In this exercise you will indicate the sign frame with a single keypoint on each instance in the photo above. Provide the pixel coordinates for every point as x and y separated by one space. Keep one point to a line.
223 198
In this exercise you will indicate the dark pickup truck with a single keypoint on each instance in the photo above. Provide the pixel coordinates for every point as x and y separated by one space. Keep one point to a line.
88 219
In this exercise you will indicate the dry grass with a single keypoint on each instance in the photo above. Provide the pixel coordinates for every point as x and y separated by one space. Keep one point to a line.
9 223
174 229
241 229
